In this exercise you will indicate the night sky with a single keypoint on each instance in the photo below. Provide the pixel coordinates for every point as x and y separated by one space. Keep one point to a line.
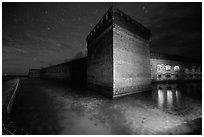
36 35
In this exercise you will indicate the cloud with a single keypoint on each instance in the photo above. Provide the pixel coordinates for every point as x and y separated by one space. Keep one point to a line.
48 41
7 50
7 38
81 54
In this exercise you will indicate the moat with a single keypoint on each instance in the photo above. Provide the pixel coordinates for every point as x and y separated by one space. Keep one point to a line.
55 107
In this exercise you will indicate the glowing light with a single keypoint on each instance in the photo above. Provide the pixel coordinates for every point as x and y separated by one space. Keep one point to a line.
160 98
176 68
168 67
177 96
159 67
169 98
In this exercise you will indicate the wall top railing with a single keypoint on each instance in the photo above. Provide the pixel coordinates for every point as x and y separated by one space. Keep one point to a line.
115 16
103 23
127 22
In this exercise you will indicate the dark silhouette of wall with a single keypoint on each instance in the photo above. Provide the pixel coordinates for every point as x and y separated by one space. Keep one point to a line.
73 71
118 55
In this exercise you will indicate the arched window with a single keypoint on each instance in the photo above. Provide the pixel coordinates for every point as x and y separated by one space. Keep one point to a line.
167 67
159 67
176 68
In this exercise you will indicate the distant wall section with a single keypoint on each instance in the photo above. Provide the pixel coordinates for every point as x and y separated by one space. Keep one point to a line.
34 73
74 71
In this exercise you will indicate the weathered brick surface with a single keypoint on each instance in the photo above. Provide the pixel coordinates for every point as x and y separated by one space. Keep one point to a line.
100 63
131 59
118 58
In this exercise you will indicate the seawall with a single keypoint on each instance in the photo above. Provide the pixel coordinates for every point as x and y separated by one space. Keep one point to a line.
8 126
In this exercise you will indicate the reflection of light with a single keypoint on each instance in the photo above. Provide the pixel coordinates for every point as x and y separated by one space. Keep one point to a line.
169 98
160 98
177 96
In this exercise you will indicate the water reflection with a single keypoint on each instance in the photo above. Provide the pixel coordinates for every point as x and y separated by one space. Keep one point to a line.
50 107
168 96
160 98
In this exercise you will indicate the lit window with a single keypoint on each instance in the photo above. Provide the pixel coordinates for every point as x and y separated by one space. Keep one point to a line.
168 67
159 67
176 68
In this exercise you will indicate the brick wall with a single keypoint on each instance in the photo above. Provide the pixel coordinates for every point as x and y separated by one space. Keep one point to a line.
100 63
131 60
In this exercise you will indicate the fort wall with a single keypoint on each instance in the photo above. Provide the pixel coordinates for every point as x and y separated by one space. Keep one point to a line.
100 56
34 73
118 56
119 61
100 63
74 71
131 61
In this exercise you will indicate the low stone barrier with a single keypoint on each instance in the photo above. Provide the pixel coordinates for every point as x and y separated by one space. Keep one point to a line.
8 126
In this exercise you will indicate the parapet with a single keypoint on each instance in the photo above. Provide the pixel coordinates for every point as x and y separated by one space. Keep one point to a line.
103 24
123 20
116 17
34 70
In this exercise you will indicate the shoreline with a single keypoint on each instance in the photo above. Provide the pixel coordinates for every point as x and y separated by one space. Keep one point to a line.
8 126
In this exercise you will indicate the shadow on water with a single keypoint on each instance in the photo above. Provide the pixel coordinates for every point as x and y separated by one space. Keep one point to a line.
56 107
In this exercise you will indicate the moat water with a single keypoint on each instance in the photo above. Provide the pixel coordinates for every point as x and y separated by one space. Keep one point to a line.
55 107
